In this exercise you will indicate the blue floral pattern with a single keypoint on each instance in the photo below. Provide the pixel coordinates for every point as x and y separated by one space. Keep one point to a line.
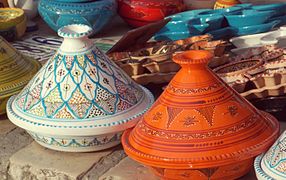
79 87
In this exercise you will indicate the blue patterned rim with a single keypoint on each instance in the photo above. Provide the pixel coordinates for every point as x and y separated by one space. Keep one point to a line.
258 170
120 122
75 31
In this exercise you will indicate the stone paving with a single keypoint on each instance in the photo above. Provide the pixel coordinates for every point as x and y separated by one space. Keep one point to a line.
23 159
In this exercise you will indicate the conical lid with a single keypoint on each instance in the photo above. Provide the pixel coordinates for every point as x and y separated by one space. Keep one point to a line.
16 70
79 91
273 163
199 122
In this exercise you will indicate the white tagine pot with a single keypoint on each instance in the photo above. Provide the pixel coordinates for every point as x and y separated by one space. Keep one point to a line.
272 164
80 100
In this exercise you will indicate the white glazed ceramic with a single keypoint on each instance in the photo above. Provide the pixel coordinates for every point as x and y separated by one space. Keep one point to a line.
199 4
272 164
30 8
257 40
80 100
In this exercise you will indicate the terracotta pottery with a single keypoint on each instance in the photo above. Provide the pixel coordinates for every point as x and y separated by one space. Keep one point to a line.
225 3
200 128
16 71
80 100
138 13
271 165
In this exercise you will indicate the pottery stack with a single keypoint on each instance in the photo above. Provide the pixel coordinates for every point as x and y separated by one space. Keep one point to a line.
242 19
80 100
94 13
200 128
16 71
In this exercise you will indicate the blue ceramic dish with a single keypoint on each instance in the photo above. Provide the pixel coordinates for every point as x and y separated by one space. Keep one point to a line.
222 33
222 11
247 30
282 20
187 14
95 14
215 22
173 36
192 30
279 8
183 25
248 18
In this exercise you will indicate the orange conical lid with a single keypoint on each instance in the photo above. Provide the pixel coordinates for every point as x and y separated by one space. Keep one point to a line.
199 122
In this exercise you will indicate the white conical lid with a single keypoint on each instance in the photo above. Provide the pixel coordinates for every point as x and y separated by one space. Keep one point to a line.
79 90
273 163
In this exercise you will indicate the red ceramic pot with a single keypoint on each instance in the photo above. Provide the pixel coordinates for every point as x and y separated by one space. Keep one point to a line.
138 13
200 128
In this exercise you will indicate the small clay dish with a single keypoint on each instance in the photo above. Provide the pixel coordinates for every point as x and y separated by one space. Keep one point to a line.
156 78
236 70
162 67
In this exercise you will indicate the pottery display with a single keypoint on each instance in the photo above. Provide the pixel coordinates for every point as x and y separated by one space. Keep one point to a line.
144 65
153 63
200 128
271 164
138 13
80 101
12 23
225 3
15 72
266 77
199 4
30 8
239 20
95 14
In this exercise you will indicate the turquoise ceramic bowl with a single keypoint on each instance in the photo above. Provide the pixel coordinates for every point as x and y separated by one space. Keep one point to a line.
247 30
222 11
223 33
95 14
173 36
279 8
282 20
192 30
215 22
188 14
183 25
248 18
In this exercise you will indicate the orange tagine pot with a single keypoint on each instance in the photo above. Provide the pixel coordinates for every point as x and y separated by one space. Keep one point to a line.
200 128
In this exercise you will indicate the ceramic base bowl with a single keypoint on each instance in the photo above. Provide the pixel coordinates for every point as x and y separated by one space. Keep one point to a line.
72 137
95 14
260 174
216 173
73 143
